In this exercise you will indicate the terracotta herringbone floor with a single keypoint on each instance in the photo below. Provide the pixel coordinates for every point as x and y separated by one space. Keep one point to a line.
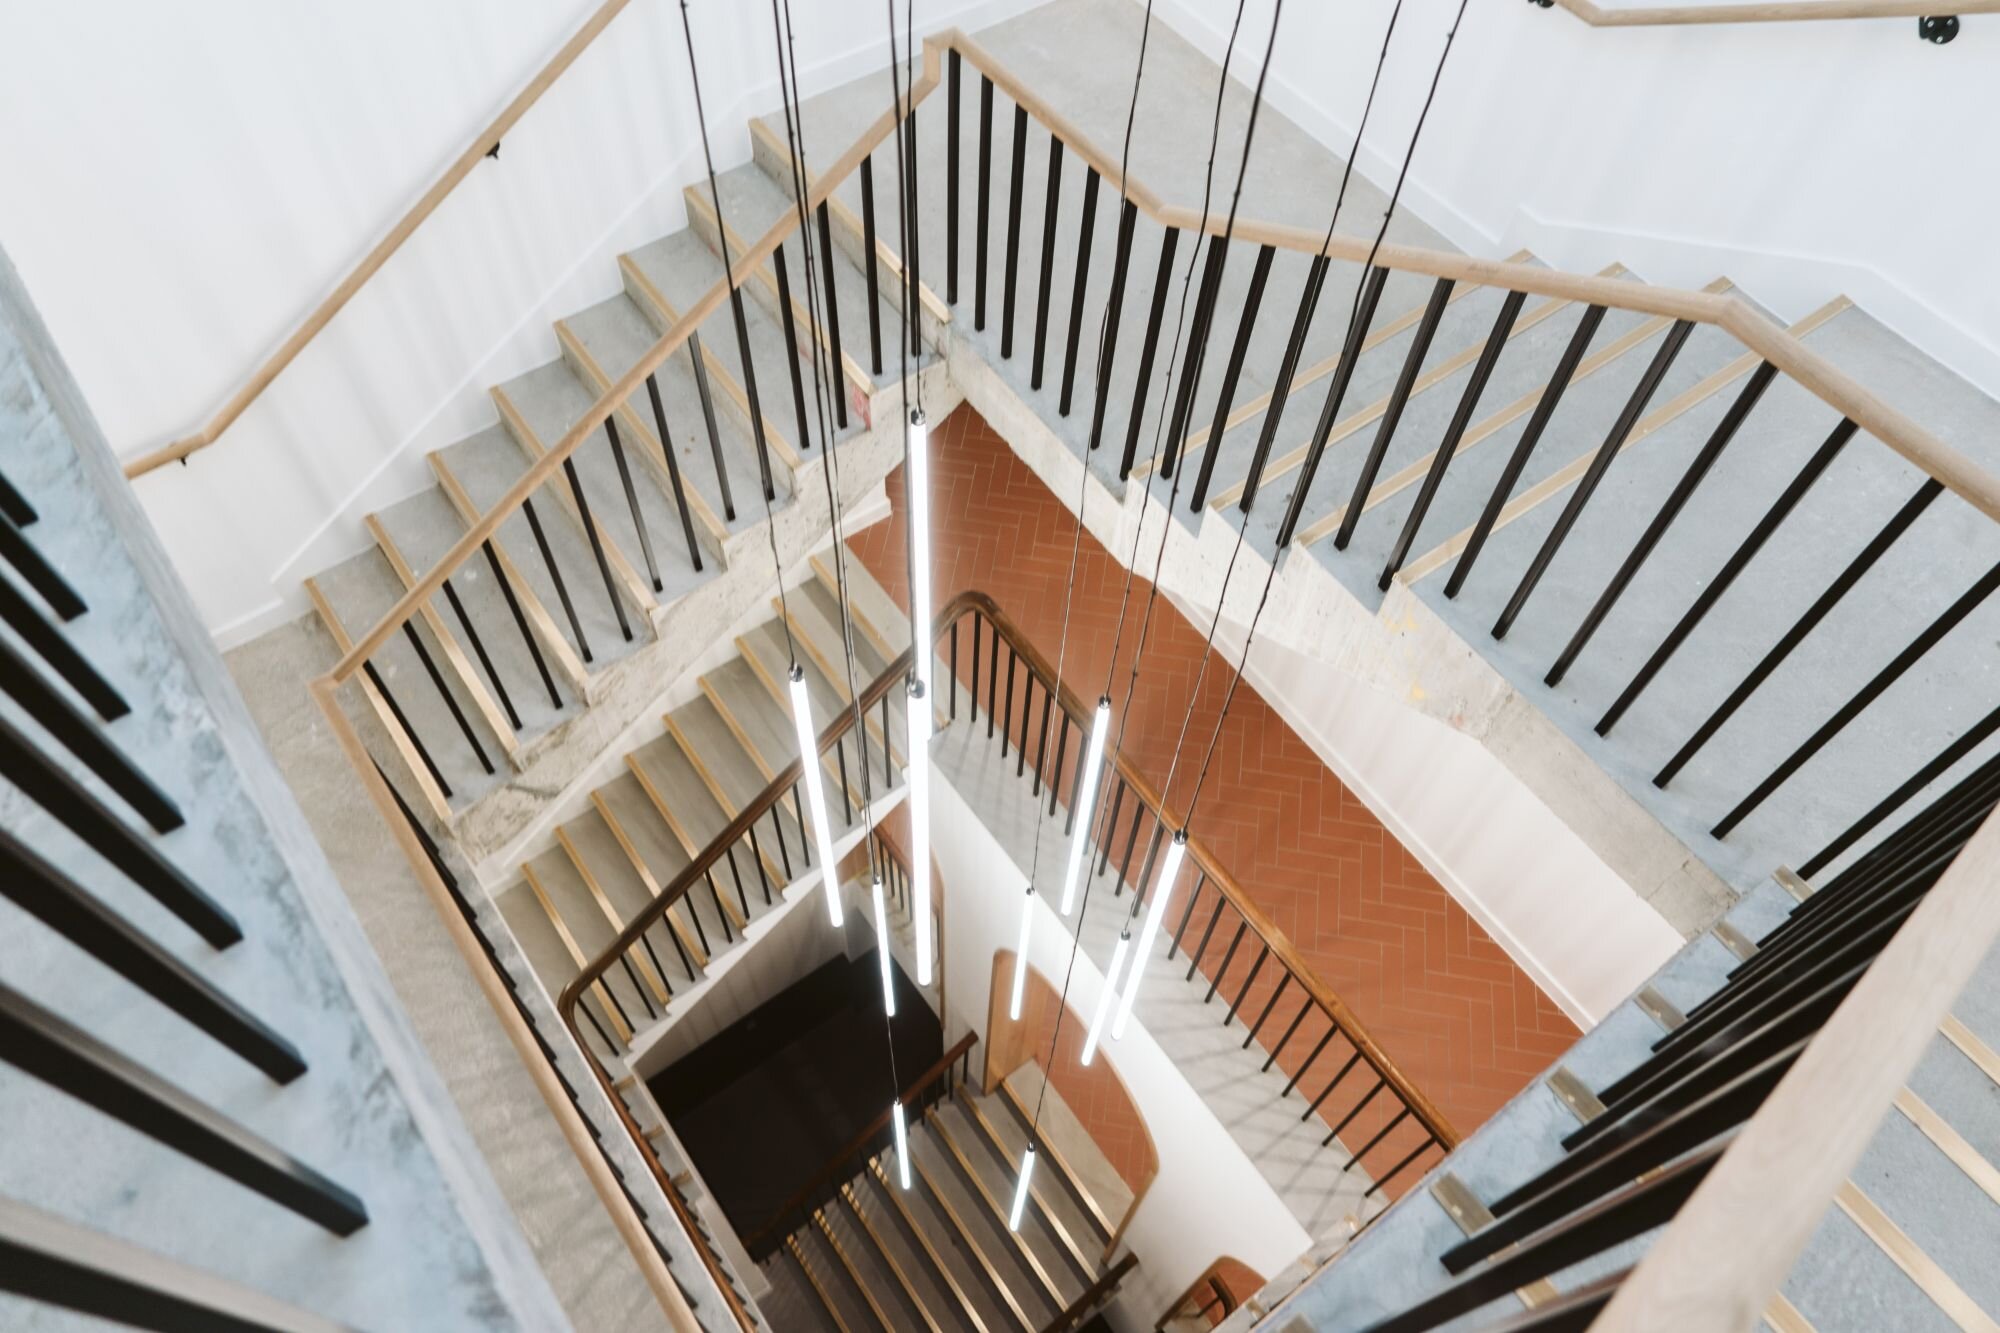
1444 1001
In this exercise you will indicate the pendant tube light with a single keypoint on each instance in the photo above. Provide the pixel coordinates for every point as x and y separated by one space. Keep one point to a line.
918 483
1021 1189
1086 793
918 766
882 951
1105 996
902 1147
1150 932
809 766
1021 954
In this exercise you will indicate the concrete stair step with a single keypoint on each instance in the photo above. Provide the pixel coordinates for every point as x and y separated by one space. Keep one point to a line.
891 1306
614 335
581 922
734 779
686 805
423 528
483 466
994 1252
930 1300
951 1257
357 593
1038 1245
599 851
828 1281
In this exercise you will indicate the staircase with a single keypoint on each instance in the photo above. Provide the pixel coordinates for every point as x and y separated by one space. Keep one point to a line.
609 577
667 799
939 1255
1491 457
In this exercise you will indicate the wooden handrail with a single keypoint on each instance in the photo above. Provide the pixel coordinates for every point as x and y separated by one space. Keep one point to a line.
804 1195
487 140
1814 372
1737 1237
635 378
576 1131
1775 11
1421 1107
1267 930
1093 1296
1759 333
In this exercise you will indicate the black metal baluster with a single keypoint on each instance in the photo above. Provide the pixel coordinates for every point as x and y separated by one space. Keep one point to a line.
951 179
1228 957
1187 912
1143 884
1670 509
1260 273
1383 1178
1194 954
1327 1091
1132 840
846 792
1007 707
1010 279
54 713
444 693
1290 1028
1042 749
1538 422
984 188
1380 1134
1586 486
409 731
1197 352
596 546
972 697
1085 231
521 622
66 907
763 875
1055 782
1461 417
1107 350
479 651
736 874
555 577
667 451
1848 577
1249 981
699 361
754 405
1281 389
871 263
1392 414
1964 745
1149 350
1313 1055
795 358
1336 394
15 505
951 673
41 634
1111 826
67 1058
632 503
1781 508
888 760
37 572
836 360
784 851
1946 620
799 814
1049 206
992 675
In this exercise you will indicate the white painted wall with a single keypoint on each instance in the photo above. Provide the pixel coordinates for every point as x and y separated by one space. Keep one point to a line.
1804 160
1564 916
1208 1198
185 182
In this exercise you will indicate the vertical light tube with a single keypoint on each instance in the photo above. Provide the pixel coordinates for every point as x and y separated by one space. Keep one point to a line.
1104 996
918 486
1155 910
902 1147
815 790
1086 795
1021 954
882 951
1021 1189
919 769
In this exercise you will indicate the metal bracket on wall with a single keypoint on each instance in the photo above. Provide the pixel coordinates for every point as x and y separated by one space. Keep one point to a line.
1937 29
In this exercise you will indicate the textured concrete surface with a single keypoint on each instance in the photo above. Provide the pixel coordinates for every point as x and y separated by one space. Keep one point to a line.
372 1112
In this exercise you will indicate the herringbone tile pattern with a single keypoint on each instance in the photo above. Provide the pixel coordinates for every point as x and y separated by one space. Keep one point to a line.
1433 989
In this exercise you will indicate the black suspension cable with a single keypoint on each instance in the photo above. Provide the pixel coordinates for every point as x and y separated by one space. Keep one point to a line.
729 277
1402 174
1249 137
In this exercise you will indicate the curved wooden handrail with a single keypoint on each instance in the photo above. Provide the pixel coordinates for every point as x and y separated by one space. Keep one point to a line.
486 141
634 379
804 1195
1757 332
1337 1013
1776 11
